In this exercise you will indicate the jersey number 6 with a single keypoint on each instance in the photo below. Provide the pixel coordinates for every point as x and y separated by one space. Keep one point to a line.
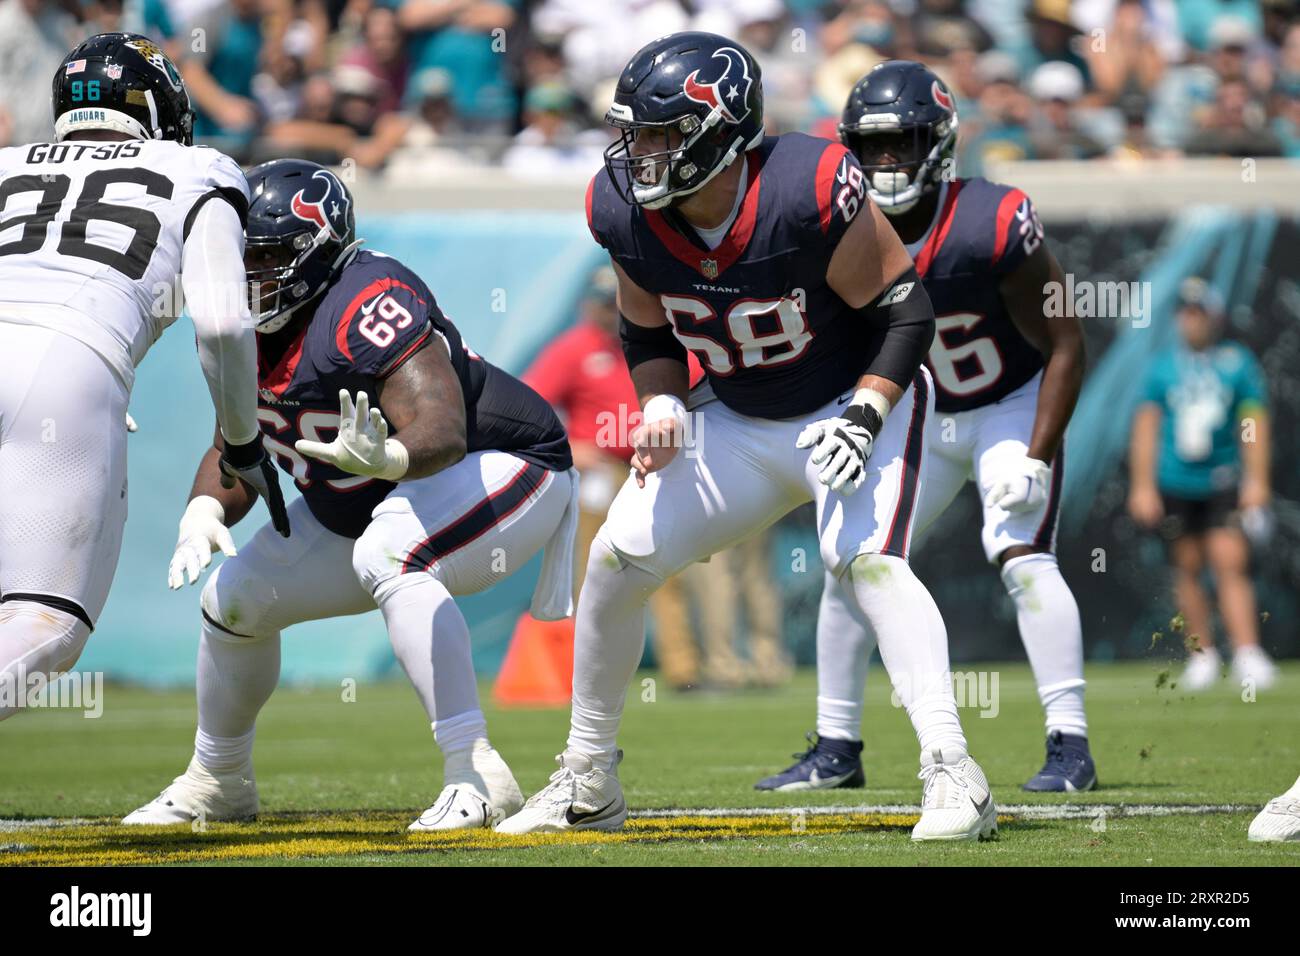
950 361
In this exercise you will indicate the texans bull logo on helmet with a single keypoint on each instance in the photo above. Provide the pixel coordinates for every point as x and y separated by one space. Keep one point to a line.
729 92
941 96
328 209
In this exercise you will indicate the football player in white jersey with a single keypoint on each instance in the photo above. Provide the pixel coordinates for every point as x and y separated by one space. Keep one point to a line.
95 228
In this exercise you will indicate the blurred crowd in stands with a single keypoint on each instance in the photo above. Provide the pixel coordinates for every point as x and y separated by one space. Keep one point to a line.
421 86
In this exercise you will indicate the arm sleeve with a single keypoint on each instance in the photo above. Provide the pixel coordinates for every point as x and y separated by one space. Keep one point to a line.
212 279
906 318
223 181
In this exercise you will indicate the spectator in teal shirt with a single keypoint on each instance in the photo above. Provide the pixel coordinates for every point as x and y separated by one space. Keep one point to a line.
467 39
220 73
1199 463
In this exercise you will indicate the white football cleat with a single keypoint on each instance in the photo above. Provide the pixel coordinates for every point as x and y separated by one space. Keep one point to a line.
956 803
1279 821
199 795
1252 663
1204 669
480 791
579 797
458 807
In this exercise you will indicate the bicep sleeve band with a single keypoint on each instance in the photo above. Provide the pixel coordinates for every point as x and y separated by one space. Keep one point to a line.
906 319
641 344
227 193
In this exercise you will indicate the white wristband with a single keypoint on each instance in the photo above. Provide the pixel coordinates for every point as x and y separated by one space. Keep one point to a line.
869 396
398 461
664 406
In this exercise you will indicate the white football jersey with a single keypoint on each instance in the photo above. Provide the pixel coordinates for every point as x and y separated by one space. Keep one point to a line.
91 234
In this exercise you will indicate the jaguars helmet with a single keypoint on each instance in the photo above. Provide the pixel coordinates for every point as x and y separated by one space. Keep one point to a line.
122 82
901 122
301 232
686 106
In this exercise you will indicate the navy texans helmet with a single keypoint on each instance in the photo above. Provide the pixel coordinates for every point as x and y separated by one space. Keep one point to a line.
687 105
122 82
901 123
301 232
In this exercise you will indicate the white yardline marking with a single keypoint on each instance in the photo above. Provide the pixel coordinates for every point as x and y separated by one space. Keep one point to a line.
1026 811
15 826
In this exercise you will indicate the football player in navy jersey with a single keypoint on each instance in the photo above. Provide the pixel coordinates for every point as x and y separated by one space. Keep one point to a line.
764 257
1007 374
420 466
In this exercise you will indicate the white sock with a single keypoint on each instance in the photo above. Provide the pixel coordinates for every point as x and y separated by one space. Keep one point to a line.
913 645
223 754
1050 628
431 640
844 645
609 637
455 735
236 677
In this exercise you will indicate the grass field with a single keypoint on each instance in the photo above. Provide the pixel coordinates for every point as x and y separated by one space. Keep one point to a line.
1181 777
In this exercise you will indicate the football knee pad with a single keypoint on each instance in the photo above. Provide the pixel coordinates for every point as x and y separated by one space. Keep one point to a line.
1020 571
52 601
40 637
615 581
235 602
381 553
875 570
608 556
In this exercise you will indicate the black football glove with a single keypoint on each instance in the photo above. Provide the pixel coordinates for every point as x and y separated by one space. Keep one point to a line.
251 464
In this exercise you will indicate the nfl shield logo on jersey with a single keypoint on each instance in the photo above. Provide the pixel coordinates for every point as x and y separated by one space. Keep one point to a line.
709 267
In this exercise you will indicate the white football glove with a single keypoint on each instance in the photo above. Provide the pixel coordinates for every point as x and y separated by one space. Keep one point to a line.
843 444
362 446
1021 486
203 527
131 426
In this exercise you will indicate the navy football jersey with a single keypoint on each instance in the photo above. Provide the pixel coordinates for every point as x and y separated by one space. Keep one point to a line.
773 338
982 231
372 319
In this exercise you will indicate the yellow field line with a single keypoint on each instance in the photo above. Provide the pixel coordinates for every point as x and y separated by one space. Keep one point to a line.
106 843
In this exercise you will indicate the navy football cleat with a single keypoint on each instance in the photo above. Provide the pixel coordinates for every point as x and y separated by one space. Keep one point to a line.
825 765
1069 767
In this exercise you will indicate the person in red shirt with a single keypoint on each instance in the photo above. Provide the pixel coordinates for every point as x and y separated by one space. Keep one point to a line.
584 376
